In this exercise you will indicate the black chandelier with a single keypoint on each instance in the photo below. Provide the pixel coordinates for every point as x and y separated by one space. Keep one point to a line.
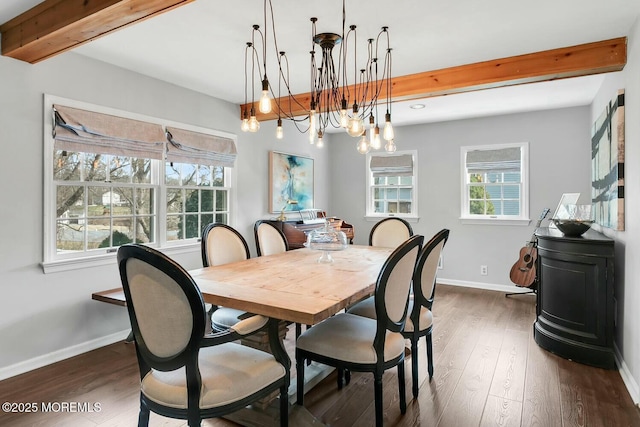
335 100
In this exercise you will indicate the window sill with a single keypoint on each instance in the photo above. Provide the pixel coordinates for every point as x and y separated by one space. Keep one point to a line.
495 221
376 218
69 264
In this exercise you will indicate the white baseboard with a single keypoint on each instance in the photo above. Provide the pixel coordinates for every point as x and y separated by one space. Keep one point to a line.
486 286
627 378
56 356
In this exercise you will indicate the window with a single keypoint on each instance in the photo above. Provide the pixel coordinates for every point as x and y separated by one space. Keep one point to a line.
392 184
495 183
113 178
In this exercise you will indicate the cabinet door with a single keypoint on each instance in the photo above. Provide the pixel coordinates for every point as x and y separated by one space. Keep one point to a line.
573 295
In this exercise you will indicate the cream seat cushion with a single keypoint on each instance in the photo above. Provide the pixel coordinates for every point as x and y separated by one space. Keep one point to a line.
367 308
349 338
229 372
225 317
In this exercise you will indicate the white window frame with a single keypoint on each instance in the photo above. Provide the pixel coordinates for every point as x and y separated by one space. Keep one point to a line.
54 262
523 218
370 213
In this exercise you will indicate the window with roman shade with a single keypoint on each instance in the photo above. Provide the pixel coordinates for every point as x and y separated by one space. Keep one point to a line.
495 181
114 177
392 184
400 165
186 146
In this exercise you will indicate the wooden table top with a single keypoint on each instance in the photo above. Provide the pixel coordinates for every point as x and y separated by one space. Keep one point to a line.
293 286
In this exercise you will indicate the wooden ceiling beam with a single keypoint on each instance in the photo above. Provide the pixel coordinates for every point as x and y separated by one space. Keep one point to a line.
575 61
55 26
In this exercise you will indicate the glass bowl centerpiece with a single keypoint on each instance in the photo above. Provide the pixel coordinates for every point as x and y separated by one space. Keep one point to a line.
326 239
575 220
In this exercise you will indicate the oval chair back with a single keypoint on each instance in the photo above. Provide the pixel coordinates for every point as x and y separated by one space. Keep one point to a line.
154 284
184 373
269 239
420 319
222 244
390 232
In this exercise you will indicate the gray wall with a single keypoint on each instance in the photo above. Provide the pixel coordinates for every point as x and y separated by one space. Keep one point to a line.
627 272
559 161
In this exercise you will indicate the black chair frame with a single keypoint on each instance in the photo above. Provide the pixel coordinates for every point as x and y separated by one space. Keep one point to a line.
188 357
420 300
382 326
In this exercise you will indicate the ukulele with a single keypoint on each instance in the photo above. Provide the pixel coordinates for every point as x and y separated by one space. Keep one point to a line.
523 272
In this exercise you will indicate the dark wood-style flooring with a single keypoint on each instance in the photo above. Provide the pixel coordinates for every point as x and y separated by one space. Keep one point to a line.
488 372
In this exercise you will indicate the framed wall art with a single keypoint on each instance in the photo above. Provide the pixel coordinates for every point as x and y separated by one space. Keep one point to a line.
290 180
607 165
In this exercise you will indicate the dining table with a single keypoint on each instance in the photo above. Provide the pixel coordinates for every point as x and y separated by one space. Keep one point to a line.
294 287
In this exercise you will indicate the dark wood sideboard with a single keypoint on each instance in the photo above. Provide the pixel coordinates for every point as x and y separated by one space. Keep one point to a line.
575 296
296 231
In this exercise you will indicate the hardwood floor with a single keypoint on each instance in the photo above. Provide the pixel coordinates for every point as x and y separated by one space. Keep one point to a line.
488 372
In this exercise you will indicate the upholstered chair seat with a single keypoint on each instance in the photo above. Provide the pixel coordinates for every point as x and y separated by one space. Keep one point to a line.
225 317
349 338
230 372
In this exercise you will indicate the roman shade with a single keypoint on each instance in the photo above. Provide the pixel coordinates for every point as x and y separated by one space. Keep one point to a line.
85 131
194 147
401 165
500 160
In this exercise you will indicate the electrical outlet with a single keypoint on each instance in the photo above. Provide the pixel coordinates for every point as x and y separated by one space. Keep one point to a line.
483 270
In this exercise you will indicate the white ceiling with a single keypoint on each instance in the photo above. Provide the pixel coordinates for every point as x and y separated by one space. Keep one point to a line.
200 46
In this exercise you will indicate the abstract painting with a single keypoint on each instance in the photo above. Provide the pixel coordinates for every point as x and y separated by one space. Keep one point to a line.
607 165
290 180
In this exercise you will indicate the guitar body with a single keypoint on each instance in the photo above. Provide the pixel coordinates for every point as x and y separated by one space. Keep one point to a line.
523 272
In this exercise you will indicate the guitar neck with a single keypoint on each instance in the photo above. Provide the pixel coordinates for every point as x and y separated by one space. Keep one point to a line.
532 241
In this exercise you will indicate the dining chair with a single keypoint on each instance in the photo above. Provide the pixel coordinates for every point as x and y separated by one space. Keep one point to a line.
354 343
420 317
269 239
222 244
390 232
184 373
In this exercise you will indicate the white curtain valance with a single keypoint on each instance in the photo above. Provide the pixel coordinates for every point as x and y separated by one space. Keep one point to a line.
79 130
501 160
400 165
194 147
